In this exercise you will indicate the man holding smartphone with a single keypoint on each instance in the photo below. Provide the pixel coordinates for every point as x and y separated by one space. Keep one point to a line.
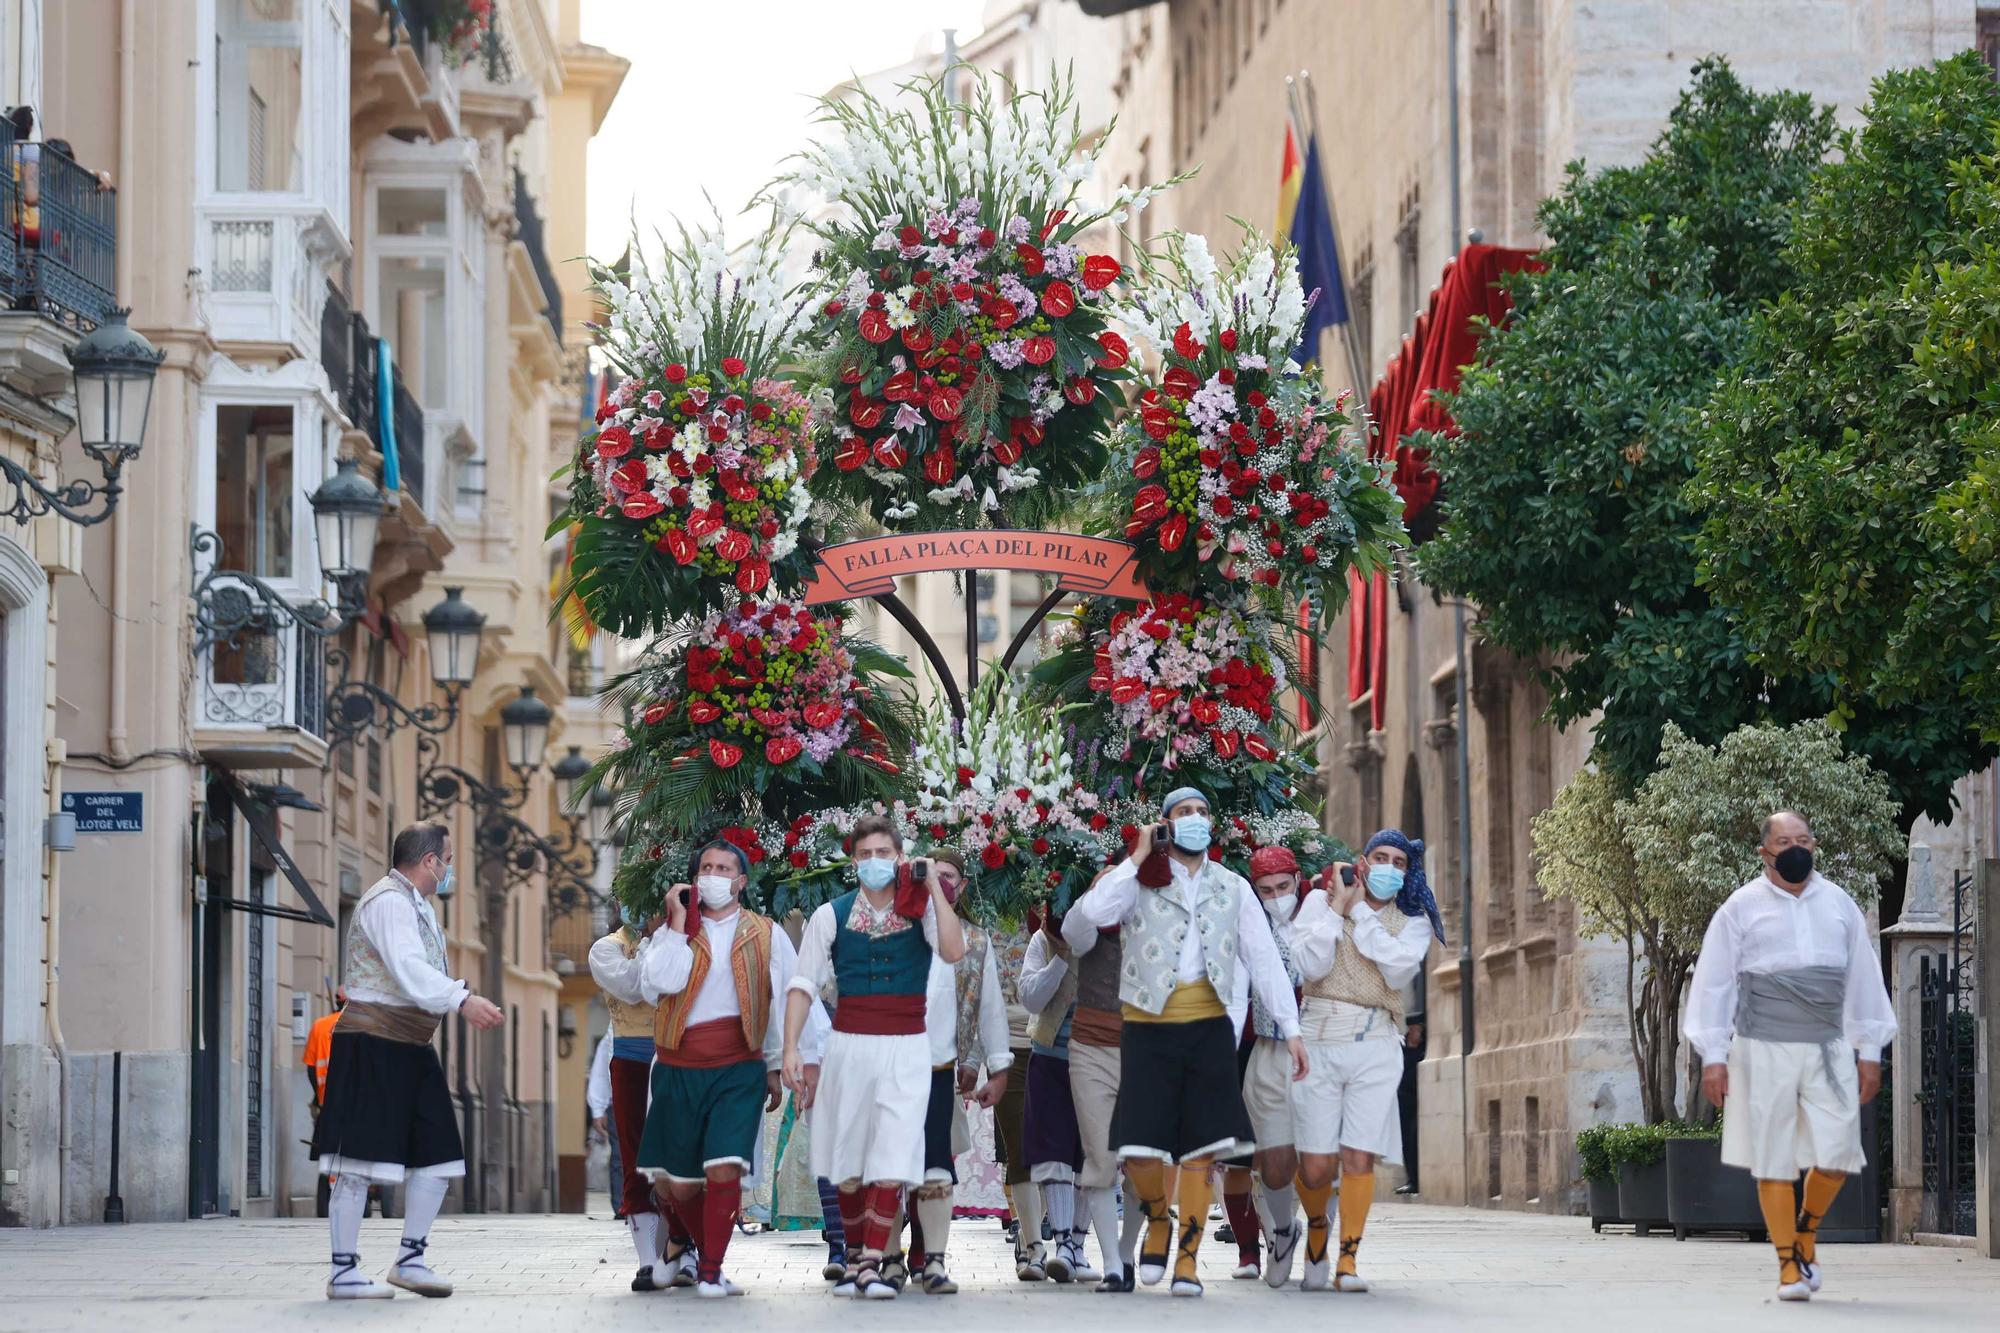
1196 944
717 972
1357 941
876 944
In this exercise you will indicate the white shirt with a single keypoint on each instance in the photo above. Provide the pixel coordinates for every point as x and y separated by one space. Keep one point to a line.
615 974
941 1015
1764 929
815 966
1043 970
1316 937
1116 897
1079 933
597 1089
385 919
667 961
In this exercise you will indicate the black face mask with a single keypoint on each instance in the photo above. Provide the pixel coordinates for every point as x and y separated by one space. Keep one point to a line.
1794 864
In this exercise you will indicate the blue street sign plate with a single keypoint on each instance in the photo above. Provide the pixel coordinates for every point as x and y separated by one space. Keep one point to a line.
107 811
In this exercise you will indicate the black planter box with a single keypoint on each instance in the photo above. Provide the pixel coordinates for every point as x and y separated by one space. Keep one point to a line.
1642 1195
1703 1195
1603 1204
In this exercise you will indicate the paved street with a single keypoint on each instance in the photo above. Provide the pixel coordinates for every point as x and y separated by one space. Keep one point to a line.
1433 1268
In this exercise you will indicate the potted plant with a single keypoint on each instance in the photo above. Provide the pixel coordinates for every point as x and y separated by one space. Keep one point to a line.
1703 1195
1600 1174
1639 1154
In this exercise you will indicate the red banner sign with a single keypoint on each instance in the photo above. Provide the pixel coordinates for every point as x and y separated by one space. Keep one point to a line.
867 568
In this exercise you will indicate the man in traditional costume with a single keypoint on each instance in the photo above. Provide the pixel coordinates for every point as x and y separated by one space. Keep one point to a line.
1096 1031
1789 1013
875 943
1356 944
717 973
388 1116
1267 1083
1196 943
614 965
1051 1138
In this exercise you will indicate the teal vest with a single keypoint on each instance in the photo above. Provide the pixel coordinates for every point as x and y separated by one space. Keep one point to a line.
898 964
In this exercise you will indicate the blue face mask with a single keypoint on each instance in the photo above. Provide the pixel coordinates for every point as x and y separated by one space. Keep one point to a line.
1384 881
876 872
445 885
1191 833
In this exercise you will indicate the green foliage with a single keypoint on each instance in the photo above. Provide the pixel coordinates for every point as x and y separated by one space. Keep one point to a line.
1593 1152
1847 470
1639 1145
1563 515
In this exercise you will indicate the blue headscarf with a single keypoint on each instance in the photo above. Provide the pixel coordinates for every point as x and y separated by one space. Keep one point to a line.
1415 897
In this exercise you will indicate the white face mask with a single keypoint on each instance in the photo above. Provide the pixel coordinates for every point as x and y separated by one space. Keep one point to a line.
1281 906
717 891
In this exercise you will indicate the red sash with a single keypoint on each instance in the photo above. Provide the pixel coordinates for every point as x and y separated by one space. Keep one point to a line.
879 1015
709 1045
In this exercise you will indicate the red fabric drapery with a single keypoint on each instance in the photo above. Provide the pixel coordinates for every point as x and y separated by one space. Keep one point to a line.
1441 344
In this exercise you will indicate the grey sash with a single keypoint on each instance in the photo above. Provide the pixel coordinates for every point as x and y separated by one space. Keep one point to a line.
1804 1004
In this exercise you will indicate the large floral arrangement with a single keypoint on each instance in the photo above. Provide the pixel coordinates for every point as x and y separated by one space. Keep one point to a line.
1238 475
966 338
691 489
757 712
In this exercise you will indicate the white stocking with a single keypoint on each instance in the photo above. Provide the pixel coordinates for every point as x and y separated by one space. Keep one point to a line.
646 1237
1134 1222
1060 1197
1103 1203
345 1204
934 1212
422 1197
1028 1207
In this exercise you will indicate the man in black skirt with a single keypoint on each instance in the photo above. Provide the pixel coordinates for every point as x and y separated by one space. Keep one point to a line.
388 1117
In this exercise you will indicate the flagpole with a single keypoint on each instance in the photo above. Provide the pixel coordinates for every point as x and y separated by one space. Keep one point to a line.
1306 103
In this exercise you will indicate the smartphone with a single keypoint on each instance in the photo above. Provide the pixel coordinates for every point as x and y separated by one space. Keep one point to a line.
1162 835
920 870
1347 876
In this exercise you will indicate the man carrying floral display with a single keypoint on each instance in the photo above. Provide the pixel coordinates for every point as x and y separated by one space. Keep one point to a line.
868 1112
1195 944
1357 942
716 973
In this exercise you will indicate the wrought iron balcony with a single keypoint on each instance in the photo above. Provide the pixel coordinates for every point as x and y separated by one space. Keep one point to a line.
58 235
533 236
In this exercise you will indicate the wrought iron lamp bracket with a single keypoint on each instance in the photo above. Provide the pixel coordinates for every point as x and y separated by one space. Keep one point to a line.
229 604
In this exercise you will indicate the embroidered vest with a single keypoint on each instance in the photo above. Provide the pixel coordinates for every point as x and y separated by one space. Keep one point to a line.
971 971
627 1020
365 969
1158 925
750 965
1264 1023
895 962
1354 978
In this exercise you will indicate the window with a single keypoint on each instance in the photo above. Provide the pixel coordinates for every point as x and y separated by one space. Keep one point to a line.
1531 1146
1493 1176
410 298
255 488
259 91
1412 291
1361 304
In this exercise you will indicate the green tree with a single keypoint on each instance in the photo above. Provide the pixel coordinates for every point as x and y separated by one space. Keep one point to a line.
1848 477
1652 868
1563 512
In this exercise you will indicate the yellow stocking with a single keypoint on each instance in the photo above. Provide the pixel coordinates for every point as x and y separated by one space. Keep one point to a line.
1149 1182
1776 1199
1314 1199
1357 1193
1194 1195
1821 1187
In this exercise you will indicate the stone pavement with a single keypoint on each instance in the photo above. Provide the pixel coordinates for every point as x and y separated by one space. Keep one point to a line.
1433 1268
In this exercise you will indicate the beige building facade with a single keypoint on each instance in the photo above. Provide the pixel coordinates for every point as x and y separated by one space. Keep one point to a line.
344 226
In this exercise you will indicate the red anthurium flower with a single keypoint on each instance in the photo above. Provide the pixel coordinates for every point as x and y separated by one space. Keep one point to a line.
1032 262
1180 382
657 714
865 412
820 716
1161 697
900 387
723 754
1206 710
1126 688
752 575
1001 311
1185 344
993 856
1225 743
875 326
1058 299
680 546
941 466
946 404
918 338
1150 503
642 506
1007 452
1100 681
1039 350
1080 390
782 749
1146 462
1173 532
701 524
1258 748
1113 351
853 452
614 442
1100 271
890 453
702 711
1026 431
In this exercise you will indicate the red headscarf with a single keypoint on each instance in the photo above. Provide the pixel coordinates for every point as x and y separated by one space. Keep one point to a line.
1273 861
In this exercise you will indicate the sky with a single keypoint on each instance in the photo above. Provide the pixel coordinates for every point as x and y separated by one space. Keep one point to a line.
721 91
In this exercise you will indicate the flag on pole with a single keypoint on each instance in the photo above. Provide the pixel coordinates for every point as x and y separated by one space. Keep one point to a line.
1319 262
1291 170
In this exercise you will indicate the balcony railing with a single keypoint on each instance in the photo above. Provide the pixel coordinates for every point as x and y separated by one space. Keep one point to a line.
410 451
272 674
533 236
60 252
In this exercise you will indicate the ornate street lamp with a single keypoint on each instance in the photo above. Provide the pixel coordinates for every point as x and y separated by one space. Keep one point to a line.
454 627
113 367
347 509
524 728
602 803
567 771
356 706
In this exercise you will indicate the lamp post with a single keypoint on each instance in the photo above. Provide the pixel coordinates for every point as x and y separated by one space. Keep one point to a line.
347 509
454 628
568 771
524 731
113 367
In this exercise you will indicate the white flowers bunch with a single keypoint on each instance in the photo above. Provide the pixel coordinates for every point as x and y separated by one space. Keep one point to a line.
1005 745
1256 293
701 302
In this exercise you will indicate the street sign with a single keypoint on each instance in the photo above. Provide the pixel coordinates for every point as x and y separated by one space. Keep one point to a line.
870 567
106 811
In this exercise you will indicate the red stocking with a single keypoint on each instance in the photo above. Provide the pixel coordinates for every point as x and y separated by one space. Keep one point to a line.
850 1218
720 1202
